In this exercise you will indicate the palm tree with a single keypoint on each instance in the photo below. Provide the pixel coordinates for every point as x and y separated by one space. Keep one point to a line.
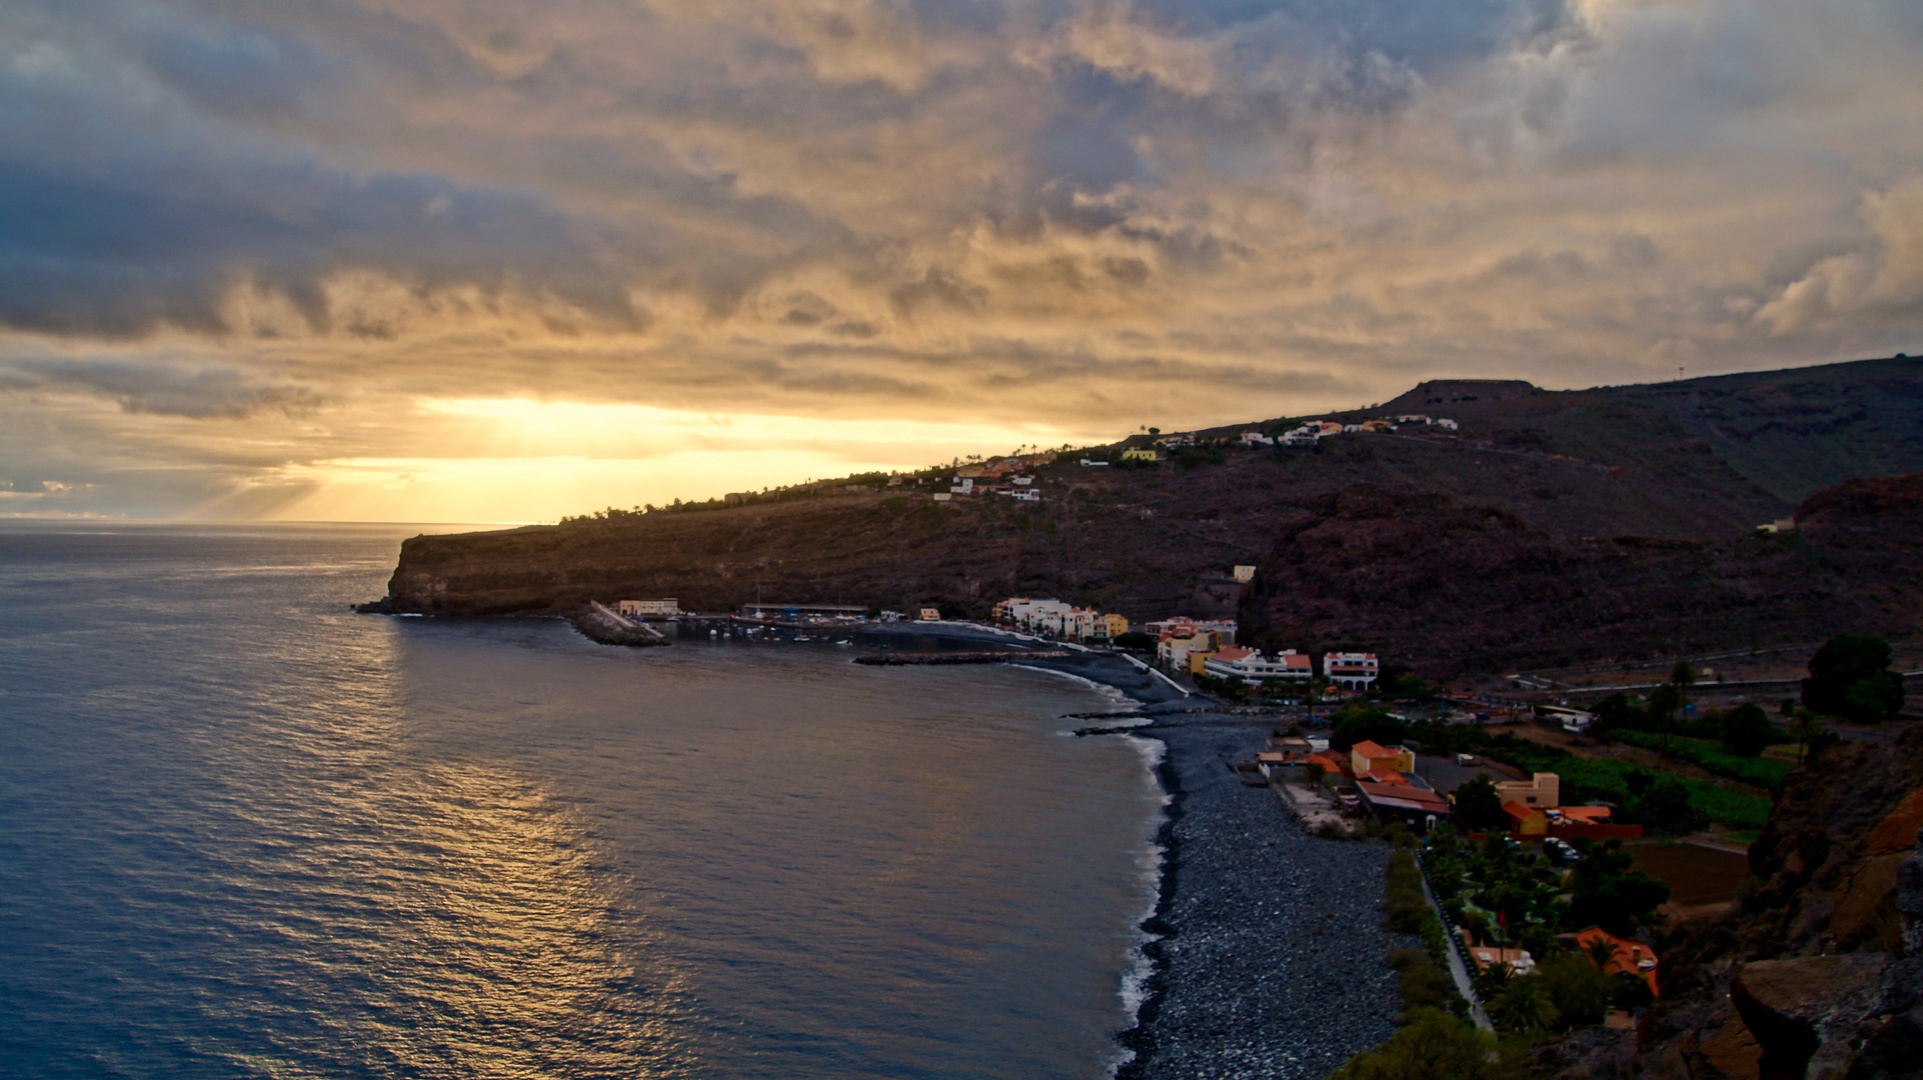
1523 1005
1804 727
1602 952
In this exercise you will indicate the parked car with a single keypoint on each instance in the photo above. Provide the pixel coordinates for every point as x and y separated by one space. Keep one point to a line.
1465 759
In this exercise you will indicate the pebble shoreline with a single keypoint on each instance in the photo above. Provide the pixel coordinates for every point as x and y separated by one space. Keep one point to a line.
1271 960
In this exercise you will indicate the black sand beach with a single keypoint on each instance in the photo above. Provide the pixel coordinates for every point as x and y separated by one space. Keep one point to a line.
1270 956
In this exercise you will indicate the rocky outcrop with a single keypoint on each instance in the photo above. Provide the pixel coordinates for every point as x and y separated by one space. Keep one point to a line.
1818 976
1804 1013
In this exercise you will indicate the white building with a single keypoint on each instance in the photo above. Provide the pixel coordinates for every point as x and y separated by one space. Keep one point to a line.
1248 665
1244 573
1021 481
1449 424
636 609
1256 438
1091 462
1030 496
1351 670
963 486
1025 611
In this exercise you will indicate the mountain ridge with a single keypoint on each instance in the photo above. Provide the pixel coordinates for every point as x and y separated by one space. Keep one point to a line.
1594 478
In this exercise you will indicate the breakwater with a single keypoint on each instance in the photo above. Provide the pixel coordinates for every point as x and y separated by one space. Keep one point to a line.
599 624
1001 656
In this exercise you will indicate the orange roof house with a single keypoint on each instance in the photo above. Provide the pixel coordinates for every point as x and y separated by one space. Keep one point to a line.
1630 956
1366 757
1526 820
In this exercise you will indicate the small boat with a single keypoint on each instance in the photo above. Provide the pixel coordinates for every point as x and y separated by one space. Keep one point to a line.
844 643
714 634
802 637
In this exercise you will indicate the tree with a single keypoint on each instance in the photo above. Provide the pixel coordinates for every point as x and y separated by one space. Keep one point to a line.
1664 803
1579 992
1373 725
1662 706
1806 728
1602 952
1524 1005
1747 730
1606 892
1478 806
1850 677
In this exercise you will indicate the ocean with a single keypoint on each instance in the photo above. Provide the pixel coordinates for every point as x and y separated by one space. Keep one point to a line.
246 832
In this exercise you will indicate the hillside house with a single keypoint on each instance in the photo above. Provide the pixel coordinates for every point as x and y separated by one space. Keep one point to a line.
1351 671
1092 463
1173 651
1027 495
929 614
1243 573
1412 418
1449 425
1543 789
1256 438
1630 955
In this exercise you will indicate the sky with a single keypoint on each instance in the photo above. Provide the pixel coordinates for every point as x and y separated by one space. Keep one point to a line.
472 260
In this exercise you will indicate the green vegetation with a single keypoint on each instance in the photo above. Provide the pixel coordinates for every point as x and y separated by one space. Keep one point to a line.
1606 892
1478 806
1653 798
1760 771
1433 1046
1850 677
1367 724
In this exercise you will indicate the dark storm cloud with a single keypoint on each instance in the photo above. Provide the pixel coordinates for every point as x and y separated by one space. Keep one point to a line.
240 212
201 394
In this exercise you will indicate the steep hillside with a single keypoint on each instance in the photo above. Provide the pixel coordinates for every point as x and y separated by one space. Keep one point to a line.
1820 972
1538 489
1447 588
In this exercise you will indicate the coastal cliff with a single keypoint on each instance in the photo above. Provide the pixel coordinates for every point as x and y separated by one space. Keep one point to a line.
1581 524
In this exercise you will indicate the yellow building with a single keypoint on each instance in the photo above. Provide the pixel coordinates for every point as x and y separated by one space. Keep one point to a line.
1143 454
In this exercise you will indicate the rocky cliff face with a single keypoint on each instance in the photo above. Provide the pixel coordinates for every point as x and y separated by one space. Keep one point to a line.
1444 586
1589 524
1819 975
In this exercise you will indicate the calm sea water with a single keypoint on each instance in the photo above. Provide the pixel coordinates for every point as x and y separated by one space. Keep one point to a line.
245 832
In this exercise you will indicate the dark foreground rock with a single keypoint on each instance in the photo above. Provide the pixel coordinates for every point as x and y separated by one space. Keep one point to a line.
1271 961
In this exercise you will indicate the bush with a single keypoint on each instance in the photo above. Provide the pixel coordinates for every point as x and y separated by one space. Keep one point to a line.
1747 730
1579 992
1402 901
1374 725
1433 1046
1850 677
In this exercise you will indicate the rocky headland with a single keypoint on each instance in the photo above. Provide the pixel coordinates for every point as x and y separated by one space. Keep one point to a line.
1618 522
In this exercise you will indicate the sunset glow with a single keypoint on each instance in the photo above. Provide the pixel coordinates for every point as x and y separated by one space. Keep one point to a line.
251 250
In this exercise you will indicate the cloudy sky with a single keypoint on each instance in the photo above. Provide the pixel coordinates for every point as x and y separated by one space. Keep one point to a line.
481 260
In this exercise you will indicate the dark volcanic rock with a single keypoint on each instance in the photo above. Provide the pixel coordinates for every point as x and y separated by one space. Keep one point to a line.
1446 587
1817 975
